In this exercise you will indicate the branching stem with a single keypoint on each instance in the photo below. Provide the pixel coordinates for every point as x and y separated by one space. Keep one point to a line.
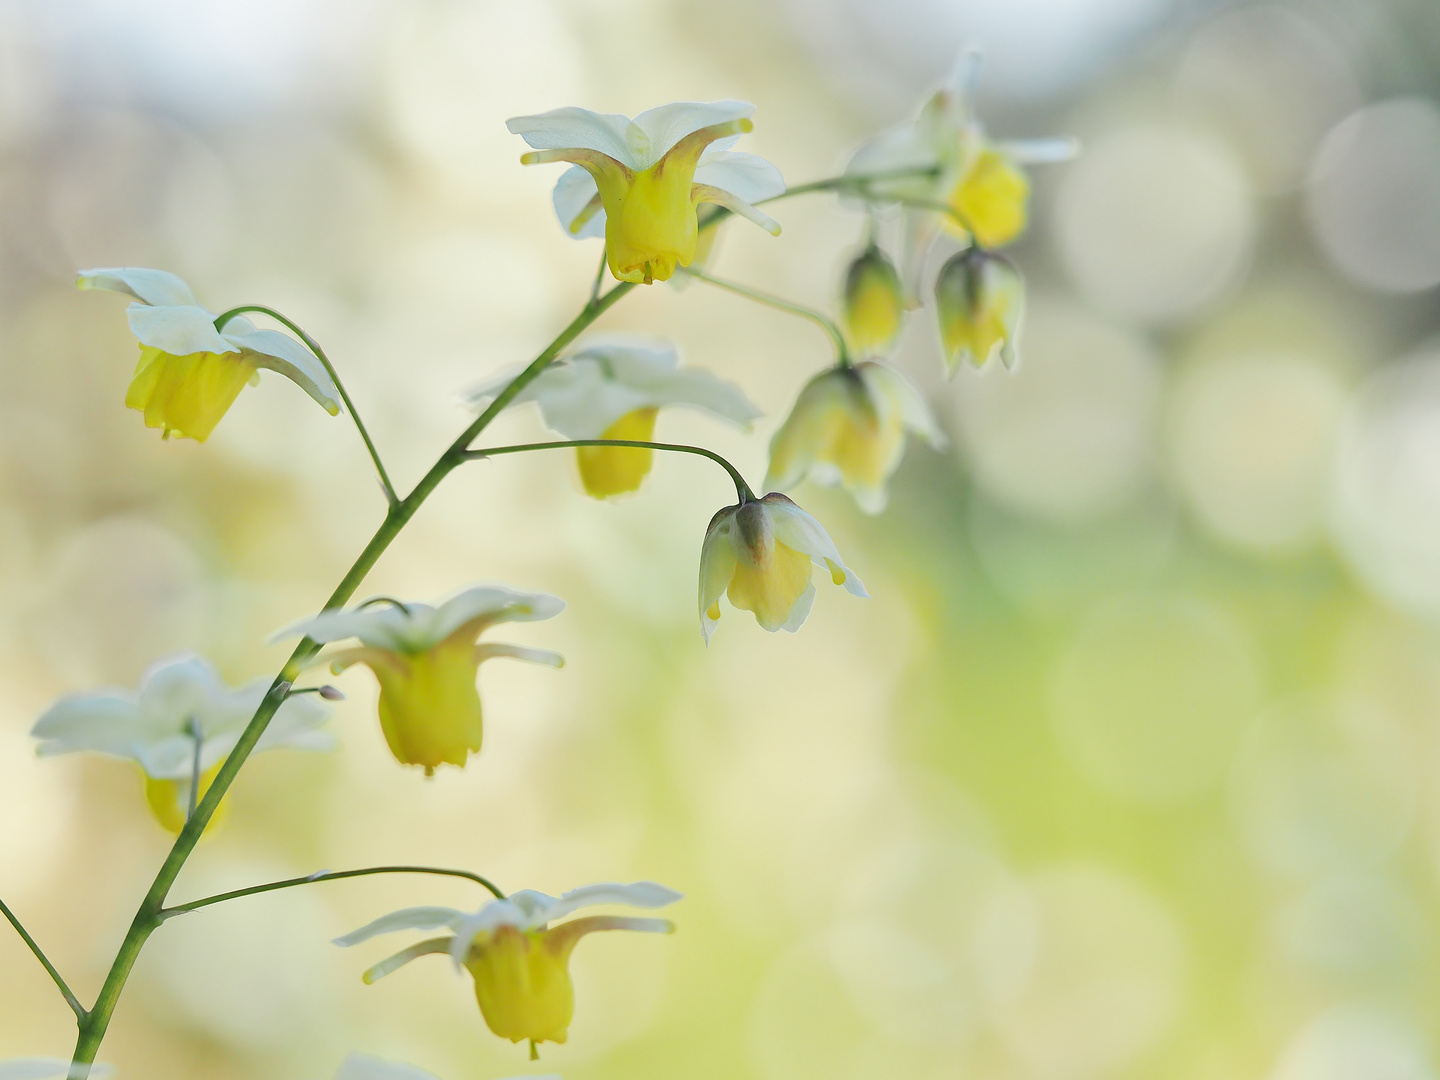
742 489
65 991
842 353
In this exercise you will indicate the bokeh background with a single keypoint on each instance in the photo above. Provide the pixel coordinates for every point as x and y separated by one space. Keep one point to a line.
1129 769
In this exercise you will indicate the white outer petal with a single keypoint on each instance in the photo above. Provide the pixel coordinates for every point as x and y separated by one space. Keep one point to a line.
178 331
158 288
641 894
106 722
575 128
895 391
382 626
357 1066
574 191
666 125
746 176
280 352
416 918
717 566
500 603
799 530
1040 151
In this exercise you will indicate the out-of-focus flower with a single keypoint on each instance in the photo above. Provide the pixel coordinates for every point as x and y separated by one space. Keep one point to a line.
640 180
848 427
612 389
520 962
873 303
759 552
189 372
181 701
426 659
44 1068
358 1066
979 298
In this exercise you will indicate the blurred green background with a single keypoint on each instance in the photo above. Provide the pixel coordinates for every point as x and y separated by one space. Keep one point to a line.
1127 770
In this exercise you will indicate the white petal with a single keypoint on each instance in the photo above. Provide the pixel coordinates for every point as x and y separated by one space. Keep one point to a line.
574 191
799 530
357 1066
416 918
745 176
178 331
525 910
964 75
106 722
666 125
498 603
888 386
280 352
641 894
573 128
717 566
801 611
404 956
383 626
1040 151
295 724
156 287
491 649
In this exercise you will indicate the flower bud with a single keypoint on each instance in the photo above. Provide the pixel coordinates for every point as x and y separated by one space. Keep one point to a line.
979 297
873 303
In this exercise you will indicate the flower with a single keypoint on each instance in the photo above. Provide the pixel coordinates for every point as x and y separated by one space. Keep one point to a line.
425 659
190 373
872 304
181 700
45 1068
979 298
848 427
519 961
612 389
759 552
957 166
640 180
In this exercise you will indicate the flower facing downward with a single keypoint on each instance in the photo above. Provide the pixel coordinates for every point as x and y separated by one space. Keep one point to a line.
189 372
979 298
612 389
872 304
760 553
848 427
426 659
181 702
641 180
519 961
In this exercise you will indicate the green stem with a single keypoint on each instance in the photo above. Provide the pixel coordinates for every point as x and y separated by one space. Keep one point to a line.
65 992
842 353
325 875
94 1024
845 183
742 489
314 347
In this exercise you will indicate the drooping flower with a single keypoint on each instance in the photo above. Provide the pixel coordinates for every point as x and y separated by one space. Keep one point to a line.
518 959
189 372
848 427
979 300
612 389
760 552
641 180
426 660
872 304
181 702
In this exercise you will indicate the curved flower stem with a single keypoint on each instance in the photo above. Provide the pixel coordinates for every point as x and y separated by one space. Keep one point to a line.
65 992
314 347
742 489
93 1024
852 183
842 353
324 875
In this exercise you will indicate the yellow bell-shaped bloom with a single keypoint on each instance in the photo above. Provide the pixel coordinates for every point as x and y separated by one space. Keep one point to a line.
760 554
520 961
426 659
183 719
872 306
641 180
613 388
190 372
979 298
848 427
989 197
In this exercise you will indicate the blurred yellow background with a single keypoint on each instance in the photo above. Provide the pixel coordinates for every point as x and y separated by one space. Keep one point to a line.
1127 770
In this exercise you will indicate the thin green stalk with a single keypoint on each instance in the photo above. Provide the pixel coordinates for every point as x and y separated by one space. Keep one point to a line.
65 992
94 1024
844 183
325 875
742 489
842 353
314 347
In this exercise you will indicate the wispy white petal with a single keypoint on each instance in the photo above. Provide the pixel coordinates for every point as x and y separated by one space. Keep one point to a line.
1040 151
157 287
799 530
717 566
279 352
404 956
666 125
575 128
416 918
498 604
641 894
489 650
177 330
890 388
574 192
745 176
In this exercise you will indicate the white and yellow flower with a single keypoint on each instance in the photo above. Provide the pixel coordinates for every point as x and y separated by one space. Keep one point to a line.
518 959
872 303
426 660
760 552
189 372
613 388
848 428
639 181
979 301
181 702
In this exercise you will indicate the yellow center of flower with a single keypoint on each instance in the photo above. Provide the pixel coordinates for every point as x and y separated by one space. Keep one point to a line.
187 395
873 305
770 576
429 706
978 309
522 983
170 799
990 196
615 470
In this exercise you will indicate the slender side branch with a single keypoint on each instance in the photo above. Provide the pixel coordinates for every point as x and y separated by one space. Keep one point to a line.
65 992
859 183
742 489
314 346
325 875
842 353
